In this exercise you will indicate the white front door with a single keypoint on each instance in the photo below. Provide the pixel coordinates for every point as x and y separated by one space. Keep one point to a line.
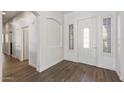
87 41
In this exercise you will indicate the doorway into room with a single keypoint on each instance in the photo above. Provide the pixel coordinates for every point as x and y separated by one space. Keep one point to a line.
19 53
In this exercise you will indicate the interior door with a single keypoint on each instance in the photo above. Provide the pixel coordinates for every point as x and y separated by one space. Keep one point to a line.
25 44
87 41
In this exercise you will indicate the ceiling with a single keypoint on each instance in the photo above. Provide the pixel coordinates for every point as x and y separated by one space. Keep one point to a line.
66 12
9 15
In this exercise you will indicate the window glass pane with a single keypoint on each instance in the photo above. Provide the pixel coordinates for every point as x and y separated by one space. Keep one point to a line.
106 35
71 37
86 38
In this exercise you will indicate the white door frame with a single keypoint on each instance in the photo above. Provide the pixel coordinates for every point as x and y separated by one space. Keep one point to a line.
79 38
1 62
38 27
24 42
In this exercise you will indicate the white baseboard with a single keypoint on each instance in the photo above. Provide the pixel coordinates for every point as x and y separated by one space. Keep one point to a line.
121 78
38 70
105 67
44 68
32 65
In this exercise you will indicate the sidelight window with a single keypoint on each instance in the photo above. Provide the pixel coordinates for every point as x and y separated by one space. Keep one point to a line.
106 35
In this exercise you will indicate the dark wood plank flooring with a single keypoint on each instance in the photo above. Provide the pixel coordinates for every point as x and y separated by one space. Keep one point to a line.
65 71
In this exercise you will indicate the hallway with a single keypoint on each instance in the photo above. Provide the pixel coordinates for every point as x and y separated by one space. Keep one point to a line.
64 71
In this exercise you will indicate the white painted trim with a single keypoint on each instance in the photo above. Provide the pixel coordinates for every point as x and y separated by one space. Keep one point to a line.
105 67
60 44
1 46
71 60
121 78
112 30
38 20
33 65
40 70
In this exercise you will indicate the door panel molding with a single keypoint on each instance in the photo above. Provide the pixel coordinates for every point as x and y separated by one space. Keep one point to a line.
87 55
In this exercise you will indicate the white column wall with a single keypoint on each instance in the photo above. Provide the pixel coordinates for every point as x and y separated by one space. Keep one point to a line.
120 62
33 44
50 54
1 46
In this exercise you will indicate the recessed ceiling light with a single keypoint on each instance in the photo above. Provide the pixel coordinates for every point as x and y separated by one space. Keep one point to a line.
3 13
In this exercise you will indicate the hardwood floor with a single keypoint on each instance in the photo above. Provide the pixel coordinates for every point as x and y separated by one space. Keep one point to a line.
14 70
65 71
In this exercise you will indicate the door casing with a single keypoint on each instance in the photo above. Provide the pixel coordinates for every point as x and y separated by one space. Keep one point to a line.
92 51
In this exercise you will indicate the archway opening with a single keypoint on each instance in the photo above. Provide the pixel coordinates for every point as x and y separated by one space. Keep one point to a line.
20 36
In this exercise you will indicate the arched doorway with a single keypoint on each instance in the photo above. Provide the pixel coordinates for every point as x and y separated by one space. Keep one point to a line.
37 48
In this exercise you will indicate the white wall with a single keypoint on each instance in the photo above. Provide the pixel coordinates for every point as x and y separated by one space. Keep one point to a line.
26 43
103 60
118 44
51 38
6 43
120 62
3 32
17 40
1 46
33 44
